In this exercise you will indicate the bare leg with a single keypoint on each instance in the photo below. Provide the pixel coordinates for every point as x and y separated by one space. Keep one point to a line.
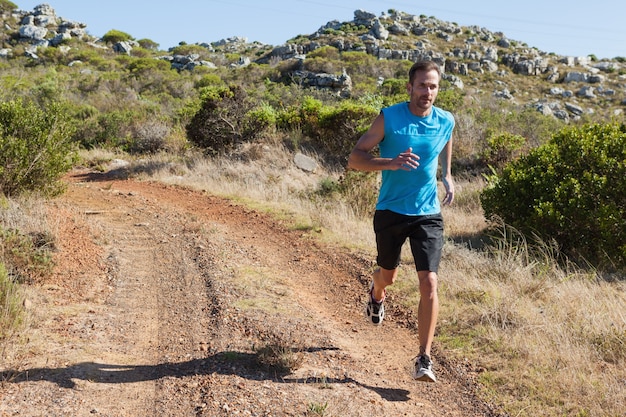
428 309
383 278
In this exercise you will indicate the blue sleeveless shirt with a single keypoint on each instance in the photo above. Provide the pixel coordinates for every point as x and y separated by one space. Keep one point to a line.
413 193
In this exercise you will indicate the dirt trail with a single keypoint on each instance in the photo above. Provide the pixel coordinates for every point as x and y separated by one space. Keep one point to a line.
162 294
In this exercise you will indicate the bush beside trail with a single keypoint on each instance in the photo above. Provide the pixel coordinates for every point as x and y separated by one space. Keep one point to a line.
35 147
570 190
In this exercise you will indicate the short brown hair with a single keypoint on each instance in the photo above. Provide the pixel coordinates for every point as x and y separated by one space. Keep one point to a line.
423 66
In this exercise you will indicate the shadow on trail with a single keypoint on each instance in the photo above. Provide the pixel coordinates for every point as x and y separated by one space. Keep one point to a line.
120 172
389 394
244 365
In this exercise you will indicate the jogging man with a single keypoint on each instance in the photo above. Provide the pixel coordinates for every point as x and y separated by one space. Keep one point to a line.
411 137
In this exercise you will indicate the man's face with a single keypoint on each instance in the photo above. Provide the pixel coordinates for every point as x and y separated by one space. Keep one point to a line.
423 92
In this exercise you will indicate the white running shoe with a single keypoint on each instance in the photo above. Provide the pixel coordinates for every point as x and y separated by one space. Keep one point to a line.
375 311
423 369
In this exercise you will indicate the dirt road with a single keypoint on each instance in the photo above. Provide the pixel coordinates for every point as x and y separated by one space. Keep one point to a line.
162 297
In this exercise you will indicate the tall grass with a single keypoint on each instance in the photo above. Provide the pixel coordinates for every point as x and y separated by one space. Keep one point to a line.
11 311
548 339
26 237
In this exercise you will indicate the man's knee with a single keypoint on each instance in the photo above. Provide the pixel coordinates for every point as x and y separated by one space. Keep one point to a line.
428 282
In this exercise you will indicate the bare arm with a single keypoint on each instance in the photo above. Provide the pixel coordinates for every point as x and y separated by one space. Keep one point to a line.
448 182
361 158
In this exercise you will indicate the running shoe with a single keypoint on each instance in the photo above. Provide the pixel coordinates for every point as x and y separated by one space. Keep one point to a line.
375 310
423 369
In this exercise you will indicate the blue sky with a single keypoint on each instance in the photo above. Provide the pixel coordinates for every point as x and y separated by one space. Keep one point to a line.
564 27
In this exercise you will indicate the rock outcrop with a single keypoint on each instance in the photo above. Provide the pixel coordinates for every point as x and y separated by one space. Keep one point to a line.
460 51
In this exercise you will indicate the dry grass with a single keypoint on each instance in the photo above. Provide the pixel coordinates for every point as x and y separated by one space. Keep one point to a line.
547 340
25 228
279 357
266 178
551 341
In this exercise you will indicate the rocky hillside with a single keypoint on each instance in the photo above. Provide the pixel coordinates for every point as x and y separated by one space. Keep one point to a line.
485 64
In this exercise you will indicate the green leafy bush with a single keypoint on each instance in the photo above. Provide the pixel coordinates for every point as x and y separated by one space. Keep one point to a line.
570 190
501 149
148 44
310 113
208 80
107 130
327 52
332 129
289 119
144 67
92 57
35 147
340 127
220 123
260 119
449 98
115 36
394 86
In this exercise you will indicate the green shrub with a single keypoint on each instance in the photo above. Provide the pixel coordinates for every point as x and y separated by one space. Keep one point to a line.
501 149
7 6
340 127
35 147
259 120
191 50
88 56
327 187
450 98
208 80
148 44
570 190
332 129
115 36
310 113
327 52
289 119
220 123
393 86
143 67
107 130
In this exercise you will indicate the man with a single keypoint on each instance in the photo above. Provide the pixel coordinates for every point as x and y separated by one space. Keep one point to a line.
411 137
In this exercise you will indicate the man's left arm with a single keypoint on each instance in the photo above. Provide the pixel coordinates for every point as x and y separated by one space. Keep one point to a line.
446 170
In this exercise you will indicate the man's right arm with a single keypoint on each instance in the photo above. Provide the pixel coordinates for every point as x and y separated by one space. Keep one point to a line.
361 158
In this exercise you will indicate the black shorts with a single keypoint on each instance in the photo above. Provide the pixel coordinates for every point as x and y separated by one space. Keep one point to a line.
425 234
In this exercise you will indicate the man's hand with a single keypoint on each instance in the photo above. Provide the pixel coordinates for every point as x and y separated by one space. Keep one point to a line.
448 183
406 161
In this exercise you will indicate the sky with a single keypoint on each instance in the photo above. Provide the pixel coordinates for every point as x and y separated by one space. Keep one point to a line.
565 27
